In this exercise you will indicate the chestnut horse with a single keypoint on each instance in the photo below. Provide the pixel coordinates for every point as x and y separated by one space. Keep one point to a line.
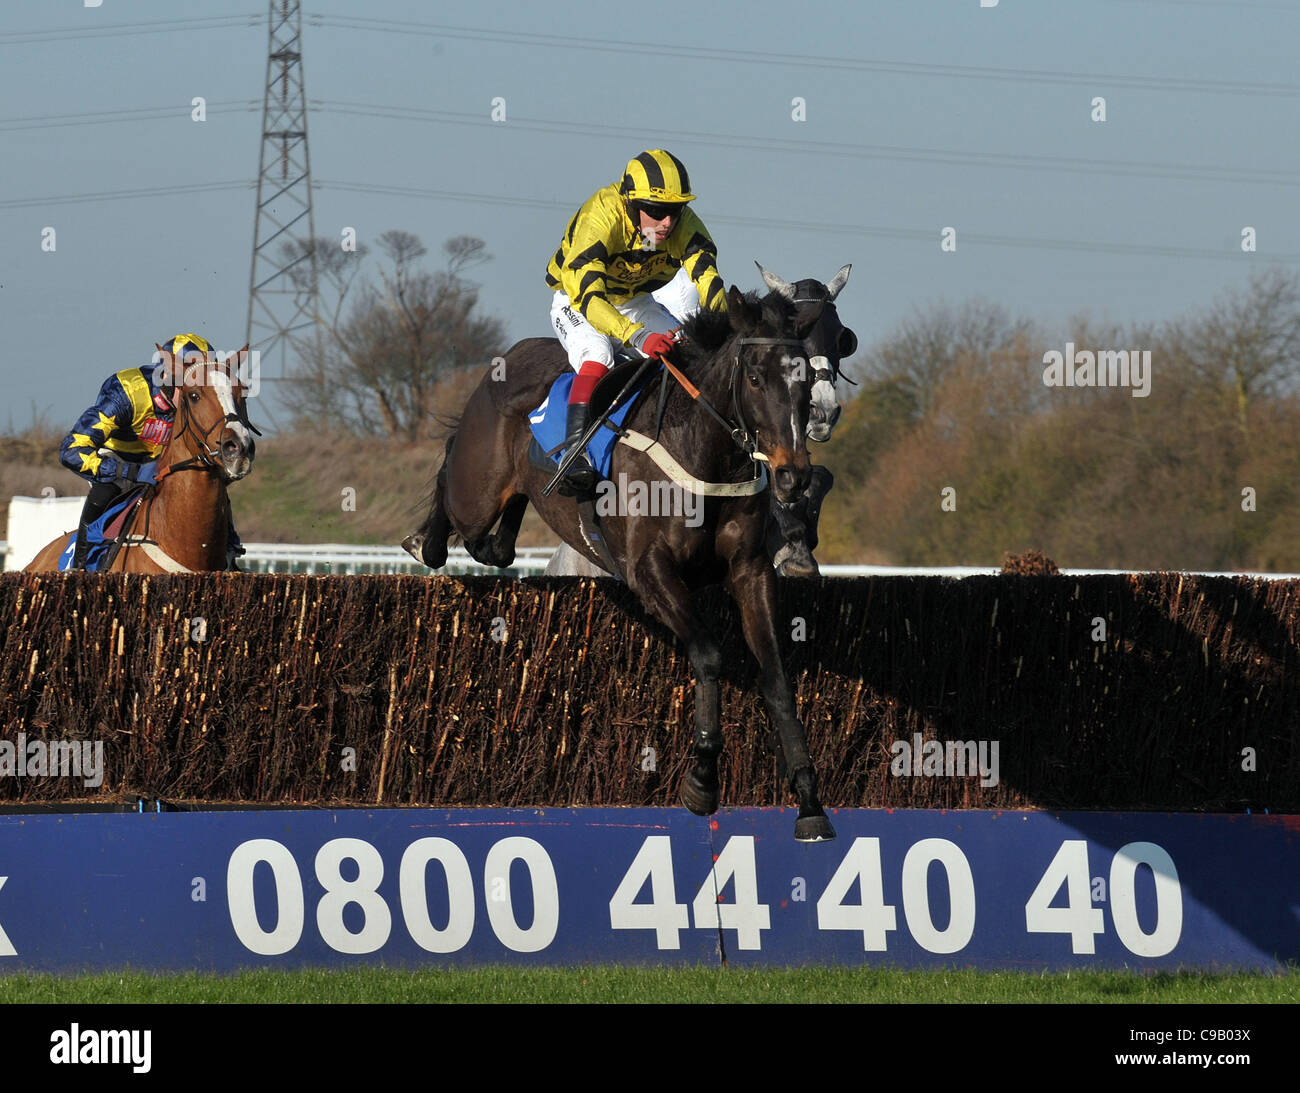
740 431
181 524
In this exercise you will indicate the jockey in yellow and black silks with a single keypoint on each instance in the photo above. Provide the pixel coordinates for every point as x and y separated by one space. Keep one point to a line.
115 444
633 264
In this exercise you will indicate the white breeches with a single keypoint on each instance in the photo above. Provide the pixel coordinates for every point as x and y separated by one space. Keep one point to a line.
661 311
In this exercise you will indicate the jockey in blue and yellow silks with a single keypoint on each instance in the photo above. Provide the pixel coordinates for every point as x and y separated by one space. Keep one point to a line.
634 262
115 444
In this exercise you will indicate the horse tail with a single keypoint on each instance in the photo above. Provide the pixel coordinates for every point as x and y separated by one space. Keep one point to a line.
451 426
435 523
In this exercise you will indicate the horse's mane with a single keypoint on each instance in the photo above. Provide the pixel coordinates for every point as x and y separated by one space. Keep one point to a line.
707 331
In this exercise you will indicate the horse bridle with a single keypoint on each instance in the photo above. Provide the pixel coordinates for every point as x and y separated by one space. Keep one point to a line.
208 457
205 460
829 375
741 433
738 429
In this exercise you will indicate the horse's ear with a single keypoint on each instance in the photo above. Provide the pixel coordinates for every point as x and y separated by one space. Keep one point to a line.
838 281
743 314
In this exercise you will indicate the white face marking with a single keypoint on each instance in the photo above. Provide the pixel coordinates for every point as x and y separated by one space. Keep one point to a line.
790 381
220 383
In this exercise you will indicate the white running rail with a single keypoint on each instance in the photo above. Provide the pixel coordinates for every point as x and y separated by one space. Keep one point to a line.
345 558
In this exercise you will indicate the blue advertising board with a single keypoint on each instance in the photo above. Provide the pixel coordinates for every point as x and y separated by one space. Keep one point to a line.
221 891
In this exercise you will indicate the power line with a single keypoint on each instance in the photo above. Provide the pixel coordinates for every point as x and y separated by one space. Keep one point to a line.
1235 5
142 113
117 30
660 49
118 195
922 235
1185 172
1069 164
748 56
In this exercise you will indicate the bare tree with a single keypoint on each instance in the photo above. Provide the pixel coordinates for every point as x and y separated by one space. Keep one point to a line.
930 346
380 349
1248 347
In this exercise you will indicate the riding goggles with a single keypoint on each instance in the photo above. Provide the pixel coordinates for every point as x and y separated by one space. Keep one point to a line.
658 210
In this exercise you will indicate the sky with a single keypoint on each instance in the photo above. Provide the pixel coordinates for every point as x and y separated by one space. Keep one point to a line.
815 135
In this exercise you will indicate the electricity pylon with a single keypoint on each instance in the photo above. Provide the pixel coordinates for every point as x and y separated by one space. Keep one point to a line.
282 286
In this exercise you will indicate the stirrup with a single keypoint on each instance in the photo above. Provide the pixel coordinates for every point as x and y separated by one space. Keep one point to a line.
580 479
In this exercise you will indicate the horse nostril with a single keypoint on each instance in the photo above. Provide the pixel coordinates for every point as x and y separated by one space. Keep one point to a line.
230 449
792 481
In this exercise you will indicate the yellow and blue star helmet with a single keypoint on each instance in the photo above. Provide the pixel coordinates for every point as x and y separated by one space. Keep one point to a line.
178 345
179 348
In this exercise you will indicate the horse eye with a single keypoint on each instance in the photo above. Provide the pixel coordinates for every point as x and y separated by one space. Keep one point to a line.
755 379
847 343
194 396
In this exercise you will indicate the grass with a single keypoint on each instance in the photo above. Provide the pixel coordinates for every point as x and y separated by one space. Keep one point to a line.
654 985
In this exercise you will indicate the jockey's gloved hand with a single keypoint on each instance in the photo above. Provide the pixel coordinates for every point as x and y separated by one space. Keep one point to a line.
109 468
123 471
651 344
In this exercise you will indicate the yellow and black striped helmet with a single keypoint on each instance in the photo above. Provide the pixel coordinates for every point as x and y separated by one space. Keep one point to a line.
656 176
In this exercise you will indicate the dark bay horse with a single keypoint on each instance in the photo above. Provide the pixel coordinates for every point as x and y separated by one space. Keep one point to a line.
740 362
180 526
825 345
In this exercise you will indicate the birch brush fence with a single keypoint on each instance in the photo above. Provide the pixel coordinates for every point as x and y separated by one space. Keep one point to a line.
1152 691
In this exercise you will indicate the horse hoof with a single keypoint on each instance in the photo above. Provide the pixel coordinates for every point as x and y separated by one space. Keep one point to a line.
697 795
413 544
813 829
796 560
424 551
502 554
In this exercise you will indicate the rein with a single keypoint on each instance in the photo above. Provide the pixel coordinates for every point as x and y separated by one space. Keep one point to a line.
740 433
205 460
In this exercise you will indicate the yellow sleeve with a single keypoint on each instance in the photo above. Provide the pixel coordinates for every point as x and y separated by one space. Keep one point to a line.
700 260
583 274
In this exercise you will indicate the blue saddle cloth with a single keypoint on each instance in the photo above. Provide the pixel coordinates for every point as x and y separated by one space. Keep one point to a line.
548 423
95 535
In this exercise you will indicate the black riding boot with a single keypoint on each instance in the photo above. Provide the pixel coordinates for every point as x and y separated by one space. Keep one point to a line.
102 494
581 477
82 548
